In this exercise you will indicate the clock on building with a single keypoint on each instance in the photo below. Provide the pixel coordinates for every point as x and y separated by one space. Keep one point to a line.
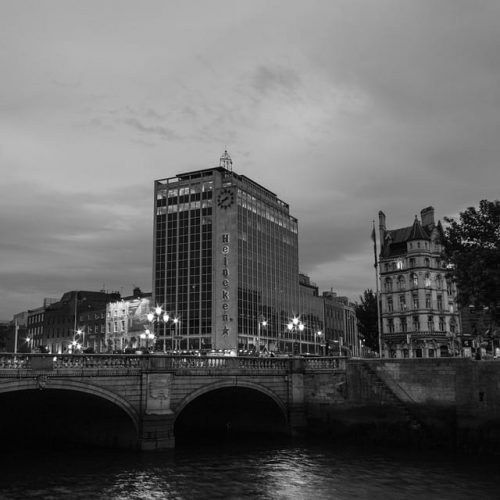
225 198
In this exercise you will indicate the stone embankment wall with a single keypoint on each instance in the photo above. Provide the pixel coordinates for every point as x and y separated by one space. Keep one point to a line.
453 402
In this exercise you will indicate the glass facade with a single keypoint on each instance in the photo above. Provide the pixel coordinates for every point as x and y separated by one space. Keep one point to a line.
225 260
183 257
267 268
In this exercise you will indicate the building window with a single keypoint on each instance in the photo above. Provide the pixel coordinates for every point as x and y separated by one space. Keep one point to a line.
404 326
414 280
440 302
401 283
427 262
390 323
415 301
441 324
427 280
430 323
388 285
416 324
453 326
402 303
399 264
439 282
428 300
389 304
412 262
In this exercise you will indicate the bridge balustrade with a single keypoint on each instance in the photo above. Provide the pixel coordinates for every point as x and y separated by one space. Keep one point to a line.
113 362
325 363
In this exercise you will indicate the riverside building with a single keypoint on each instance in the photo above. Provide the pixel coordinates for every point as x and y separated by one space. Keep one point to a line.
419 314
226 262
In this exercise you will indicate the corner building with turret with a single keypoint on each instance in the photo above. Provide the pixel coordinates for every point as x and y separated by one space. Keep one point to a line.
419 313
225 258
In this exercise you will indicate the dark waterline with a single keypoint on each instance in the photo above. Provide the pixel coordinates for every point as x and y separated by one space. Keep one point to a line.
259 470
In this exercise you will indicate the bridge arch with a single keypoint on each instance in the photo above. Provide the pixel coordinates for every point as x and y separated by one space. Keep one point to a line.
224 384
229 409
72 385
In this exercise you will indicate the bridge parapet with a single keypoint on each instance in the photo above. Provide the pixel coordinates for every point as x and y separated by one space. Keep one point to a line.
113 363
325 364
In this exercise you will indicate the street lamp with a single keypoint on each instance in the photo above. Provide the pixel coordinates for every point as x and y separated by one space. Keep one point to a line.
80 334
261 323
148 335
158 316
296 326
75 346
28 341
176 326
319 335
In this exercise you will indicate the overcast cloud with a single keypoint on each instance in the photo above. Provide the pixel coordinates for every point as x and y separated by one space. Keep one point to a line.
342 108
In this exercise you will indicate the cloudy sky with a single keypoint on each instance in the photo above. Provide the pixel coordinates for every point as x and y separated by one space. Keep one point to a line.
341 107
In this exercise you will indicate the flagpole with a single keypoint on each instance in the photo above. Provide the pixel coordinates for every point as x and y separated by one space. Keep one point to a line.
377 292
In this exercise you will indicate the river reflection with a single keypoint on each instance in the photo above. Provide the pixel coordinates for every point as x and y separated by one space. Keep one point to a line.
278 470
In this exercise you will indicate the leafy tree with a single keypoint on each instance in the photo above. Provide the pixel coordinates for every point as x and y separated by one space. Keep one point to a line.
472 250
366 314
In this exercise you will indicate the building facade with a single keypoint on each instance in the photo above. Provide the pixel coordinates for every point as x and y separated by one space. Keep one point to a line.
419 314
312 317
225 261
341 326
61 319
127 320
35 324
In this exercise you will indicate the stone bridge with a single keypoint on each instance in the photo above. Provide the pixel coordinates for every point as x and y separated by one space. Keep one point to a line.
146 402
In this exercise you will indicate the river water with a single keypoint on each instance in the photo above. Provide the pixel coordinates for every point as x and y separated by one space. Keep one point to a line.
276 470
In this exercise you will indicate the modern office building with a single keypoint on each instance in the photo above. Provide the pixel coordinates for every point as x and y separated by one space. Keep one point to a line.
418 309
226 261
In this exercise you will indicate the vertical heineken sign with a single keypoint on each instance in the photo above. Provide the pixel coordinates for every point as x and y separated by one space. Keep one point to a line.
225 282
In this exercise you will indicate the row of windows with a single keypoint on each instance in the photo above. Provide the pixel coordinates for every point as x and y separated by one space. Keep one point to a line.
404 325
429 303
413 282
412 262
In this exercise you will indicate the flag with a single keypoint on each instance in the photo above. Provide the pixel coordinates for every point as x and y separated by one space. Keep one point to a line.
374 238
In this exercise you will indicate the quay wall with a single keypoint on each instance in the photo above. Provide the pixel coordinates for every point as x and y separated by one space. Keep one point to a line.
451 402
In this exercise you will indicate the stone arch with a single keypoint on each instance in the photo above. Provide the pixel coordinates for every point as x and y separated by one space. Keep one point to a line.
73 385
226 384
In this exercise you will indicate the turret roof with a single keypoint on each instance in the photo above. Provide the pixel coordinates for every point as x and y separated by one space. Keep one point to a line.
417 231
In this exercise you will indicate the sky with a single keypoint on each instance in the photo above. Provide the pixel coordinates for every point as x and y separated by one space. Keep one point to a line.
340 107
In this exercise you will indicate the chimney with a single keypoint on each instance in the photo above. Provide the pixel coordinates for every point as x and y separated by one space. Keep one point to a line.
381 221
427 215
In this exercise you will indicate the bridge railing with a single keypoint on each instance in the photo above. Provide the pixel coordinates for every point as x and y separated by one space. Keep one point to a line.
326 363
68 361
113 362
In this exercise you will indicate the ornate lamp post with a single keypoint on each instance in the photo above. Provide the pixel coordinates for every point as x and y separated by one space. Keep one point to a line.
318 335
158 316
80 334
260 323
148 335
176 335
296 326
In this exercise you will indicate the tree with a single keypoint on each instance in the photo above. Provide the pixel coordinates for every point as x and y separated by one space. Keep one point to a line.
367 316
472 251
